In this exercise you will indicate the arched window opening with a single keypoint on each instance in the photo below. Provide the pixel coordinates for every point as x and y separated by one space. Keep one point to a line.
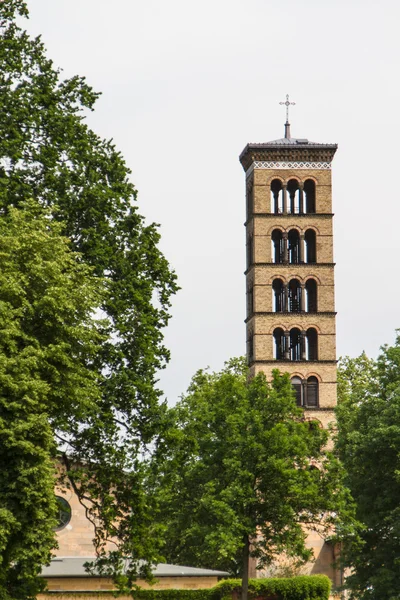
277 246
293 195
279 344
278 296
293 247
311 246
311 296
306 393
313 425
294 296
309 194
295 344
298 390
311 344
249 251
64 513
276 197
312 392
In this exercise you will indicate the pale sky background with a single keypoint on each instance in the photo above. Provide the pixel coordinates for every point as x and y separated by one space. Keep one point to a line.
187 84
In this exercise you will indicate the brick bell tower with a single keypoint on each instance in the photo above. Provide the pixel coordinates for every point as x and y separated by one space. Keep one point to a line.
290 270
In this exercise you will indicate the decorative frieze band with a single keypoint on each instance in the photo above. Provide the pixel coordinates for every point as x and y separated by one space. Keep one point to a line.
258 164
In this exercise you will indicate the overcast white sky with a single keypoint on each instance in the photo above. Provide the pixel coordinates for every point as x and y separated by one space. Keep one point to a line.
186 84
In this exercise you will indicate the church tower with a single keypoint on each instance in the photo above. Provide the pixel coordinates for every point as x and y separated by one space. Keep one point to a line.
290 270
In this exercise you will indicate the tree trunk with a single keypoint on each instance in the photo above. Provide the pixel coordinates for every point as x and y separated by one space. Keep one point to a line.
245 577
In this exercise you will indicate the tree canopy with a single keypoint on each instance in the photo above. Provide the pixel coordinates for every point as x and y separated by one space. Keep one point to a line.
368 443
50 156
49 340
243 473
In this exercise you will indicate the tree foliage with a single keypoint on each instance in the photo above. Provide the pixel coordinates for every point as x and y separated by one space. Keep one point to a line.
236 474
49 340
311 587
50 155
369 444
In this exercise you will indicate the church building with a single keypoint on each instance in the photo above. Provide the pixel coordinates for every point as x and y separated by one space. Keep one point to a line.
291 315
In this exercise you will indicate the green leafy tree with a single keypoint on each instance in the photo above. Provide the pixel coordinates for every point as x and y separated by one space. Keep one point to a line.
49 154
368 443
236 477
49 340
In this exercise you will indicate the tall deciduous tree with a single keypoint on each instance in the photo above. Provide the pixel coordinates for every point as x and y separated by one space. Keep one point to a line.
48 154
368 443
236 477
49 341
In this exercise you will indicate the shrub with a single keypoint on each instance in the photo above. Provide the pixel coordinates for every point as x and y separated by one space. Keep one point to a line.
306 587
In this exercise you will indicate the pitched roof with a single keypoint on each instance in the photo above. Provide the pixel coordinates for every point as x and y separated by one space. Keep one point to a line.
73 566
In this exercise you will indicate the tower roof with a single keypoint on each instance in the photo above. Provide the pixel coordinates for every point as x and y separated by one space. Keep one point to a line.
285 141
287 149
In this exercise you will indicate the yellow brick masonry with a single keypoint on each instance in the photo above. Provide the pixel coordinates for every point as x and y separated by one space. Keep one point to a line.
262 186
261 320
99 584
261 277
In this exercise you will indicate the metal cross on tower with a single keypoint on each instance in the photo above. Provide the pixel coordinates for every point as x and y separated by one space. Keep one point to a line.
287 104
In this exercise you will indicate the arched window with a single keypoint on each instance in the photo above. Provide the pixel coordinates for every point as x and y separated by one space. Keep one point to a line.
312 392
298 390
311 246
278 296
311 344
277 246
309 196
293 196
293 246
311 295
306 391
276 196
295 344
64 513
279 343
294 296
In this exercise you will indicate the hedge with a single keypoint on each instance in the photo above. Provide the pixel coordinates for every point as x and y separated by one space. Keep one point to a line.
304 587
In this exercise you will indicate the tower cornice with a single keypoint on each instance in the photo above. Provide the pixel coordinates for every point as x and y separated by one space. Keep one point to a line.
287 151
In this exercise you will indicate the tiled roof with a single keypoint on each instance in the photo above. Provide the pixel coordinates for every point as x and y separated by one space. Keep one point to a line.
72 566
290 142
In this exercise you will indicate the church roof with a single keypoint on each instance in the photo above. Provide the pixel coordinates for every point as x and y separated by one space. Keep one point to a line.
73 566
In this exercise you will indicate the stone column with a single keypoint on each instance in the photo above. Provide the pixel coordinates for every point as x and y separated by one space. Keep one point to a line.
285 297
287 345
303 345
304 392
301 198
302 249
303 297
285 247
284 191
